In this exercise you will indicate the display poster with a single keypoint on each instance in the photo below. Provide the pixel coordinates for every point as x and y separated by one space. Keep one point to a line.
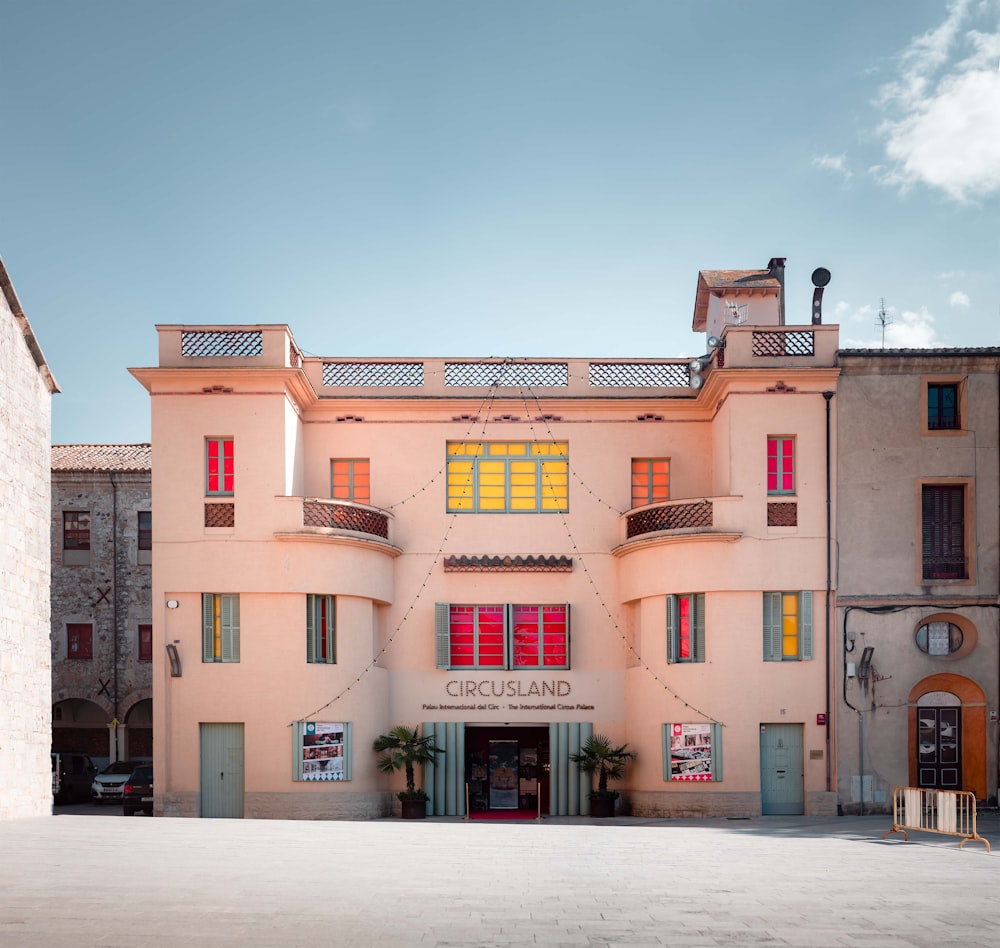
691 752
322 751
504 761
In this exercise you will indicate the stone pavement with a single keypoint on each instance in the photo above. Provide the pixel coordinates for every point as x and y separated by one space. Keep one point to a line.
79 880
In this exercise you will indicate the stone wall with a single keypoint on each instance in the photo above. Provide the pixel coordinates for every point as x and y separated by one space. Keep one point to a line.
25 683
111 591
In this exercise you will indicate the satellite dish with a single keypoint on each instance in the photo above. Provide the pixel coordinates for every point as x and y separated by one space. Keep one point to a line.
713 342
820 276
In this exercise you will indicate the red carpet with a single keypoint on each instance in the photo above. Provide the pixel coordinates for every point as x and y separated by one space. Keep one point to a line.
504 815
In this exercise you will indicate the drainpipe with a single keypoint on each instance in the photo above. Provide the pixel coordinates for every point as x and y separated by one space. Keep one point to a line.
828 397
114 596
776 269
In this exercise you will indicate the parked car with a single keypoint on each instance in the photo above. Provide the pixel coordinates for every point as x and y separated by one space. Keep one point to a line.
137 794
72 776
108 784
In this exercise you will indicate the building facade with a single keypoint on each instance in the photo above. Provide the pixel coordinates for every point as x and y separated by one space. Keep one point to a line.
102 633
26 389
918 573
512 553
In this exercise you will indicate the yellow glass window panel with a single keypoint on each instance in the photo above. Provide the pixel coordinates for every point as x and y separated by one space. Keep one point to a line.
465 447
217 627
790 625
460 495
550 447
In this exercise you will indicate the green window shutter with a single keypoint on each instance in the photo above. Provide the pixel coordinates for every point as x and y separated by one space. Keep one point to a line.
806 625
698 628
442 634
716 751
231 628
348 770
310 628
673 620
772 627
297 750
207 627
331 629
508 633
665 730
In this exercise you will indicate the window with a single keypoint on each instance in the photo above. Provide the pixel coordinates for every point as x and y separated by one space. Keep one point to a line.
692 752
321 645
219 468
686 628
76 529
942 520
79 640
650 481
780 465
145 643
939 638
787 626
943 406
322 750
145 533
508 477
349 480
502 636
220 625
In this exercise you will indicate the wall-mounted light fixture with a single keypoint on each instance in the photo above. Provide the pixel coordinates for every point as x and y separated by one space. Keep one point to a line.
172 603
865 667
175 661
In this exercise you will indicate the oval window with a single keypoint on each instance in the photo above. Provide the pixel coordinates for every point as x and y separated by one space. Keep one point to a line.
939 638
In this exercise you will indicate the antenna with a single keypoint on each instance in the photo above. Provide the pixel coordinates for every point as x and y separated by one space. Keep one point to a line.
882 319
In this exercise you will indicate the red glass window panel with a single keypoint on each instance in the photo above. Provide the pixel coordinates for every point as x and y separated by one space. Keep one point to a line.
79 640
781 465
539 636
491 636
76 530
145 643
650 481
463 640
684 630
324 628
221 466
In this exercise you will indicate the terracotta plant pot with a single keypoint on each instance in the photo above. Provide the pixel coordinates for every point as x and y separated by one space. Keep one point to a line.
602 807
414 809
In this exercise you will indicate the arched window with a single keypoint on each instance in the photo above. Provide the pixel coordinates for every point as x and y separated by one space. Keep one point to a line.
939 638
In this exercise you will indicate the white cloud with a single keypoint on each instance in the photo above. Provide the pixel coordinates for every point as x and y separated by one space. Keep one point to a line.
942 125
903 330
836 163
951 275
958 298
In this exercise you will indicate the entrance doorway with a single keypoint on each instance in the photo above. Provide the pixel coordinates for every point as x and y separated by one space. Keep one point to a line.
782 774
221 770
507 768
939 754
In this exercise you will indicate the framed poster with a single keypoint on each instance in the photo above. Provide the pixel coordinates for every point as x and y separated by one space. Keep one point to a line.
322 750
691 748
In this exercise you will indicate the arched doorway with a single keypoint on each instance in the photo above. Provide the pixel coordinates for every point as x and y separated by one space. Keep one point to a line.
80 726
947 734
139 721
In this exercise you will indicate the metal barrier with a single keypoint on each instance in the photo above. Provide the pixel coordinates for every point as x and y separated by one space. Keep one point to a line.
951 812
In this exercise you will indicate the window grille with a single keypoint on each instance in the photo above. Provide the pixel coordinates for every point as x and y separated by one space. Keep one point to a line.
236 343
506 374
373 374
639 374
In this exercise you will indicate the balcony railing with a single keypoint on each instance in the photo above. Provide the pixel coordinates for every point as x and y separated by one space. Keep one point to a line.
671 516
343 516
945 567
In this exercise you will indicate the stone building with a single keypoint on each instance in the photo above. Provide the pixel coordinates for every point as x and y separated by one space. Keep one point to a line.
917 617
101 621
26 389
514 554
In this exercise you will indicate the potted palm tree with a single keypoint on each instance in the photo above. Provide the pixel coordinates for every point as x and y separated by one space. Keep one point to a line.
600 755
402 749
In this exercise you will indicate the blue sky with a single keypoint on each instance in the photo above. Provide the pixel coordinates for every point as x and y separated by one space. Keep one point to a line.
473 179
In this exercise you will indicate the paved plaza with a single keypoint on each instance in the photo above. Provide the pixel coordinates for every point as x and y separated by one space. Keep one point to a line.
81 880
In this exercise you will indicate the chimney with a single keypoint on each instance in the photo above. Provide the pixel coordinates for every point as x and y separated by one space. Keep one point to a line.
776 268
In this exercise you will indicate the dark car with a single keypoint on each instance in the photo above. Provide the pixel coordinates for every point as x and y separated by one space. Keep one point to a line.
137 794
108 783
72 775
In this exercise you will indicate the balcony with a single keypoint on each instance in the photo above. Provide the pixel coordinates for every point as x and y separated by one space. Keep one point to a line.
701 518
319 518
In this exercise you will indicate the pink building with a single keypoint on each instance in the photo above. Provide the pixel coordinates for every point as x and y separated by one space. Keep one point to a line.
512 553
